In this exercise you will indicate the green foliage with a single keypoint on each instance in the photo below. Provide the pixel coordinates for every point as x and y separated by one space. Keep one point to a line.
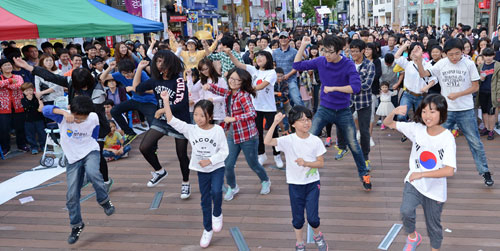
308 7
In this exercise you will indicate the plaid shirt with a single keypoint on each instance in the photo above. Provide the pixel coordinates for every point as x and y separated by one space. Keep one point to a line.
242 110
367 75
225 60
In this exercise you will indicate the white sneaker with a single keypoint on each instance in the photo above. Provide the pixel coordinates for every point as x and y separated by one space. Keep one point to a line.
262 158
266 187
231 192
278 161
185 191
217 223
206 238
372 143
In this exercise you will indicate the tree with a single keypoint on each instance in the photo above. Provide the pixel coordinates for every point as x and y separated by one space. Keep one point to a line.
308 7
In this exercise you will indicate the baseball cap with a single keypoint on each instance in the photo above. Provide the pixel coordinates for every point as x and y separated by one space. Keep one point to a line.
283 33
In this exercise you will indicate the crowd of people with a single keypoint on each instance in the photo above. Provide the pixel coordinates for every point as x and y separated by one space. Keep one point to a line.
221 95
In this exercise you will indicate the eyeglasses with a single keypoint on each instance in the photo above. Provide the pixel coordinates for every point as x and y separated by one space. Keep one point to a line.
304 120
235 80
328 51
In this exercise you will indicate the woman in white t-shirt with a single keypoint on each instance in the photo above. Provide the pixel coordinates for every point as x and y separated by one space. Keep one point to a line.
208 75
432 159
264 77
413 83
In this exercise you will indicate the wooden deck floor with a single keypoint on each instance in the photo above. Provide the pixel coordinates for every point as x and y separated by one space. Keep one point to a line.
351 219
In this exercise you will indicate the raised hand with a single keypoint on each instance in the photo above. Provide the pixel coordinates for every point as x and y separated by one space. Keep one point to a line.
112 64
278 117
306 40
219 36
400 110
143 64
165 96
21 63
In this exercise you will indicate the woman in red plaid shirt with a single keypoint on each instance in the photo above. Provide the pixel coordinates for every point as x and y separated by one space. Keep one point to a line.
242 131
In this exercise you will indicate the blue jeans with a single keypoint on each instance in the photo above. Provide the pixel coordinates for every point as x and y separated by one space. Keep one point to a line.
304 197
250 149
364 117
411 102
293 91
32 129
89 166
211 191
467 123
342 118
109 154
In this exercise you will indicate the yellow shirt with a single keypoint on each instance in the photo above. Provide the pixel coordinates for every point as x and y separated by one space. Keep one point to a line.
113 140
191 60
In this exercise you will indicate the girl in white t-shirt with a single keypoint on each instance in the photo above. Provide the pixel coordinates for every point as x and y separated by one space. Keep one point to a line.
208 75
264 77
432 159
304 155
209 150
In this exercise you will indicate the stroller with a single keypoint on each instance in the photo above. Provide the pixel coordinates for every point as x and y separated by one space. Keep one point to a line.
53 135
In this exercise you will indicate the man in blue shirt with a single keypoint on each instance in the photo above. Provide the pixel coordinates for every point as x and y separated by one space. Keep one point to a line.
146 103
390 47
283 57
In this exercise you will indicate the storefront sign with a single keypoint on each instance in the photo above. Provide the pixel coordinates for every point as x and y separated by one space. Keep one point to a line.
193 16
428 1
381 10
178 19
134 7
151 10
109 41
485 4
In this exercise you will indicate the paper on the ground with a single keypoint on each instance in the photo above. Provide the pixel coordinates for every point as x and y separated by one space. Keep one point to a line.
26 200
26 180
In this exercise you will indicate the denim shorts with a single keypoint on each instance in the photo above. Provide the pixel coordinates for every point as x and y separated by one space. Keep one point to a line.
163 127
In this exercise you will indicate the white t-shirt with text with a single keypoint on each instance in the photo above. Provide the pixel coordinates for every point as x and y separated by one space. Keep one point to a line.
308 149
456 78
429 153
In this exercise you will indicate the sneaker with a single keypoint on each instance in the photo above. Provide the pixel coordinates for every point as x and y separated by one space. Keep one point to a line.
231 192
328 142
320 242
206 238
75 234
217 223
491 135
25 149
129 138
278 161
157 177
379 122
411 245
403 138
185 191
34 151
341 153
109 209
483 132
125 155
488 181
108 184
382 127
372 143
300 246
368 167
266 187
367 185
262 159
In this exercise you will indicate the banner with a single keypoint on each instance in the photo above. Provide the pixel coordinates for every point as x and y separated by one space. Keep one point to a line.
134 7
151 10
193 16
109 41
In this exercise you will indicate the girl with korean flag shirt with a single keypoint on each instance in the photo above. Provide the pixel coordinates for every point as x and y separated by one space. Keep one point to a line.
432 159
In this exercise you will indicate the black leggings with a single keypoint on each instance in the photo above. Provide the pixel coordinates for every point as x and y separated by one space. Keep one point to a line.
148 149
259 120
103 165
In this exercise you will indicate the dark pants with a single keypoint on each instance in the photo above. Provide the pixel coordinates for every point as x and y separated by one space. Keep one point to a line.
148 109
211 191
34 129
364 116
316 90
432 213
304 197
7 122
259 120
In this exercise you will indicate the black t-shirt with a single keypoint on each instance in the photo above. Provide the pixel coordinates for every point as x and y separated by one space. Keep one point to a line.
179 98
31 109
485 85
436 88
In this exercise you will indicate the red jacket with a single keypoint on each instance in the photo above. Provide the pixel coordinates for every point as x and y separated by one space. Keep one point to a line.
11 94
242 110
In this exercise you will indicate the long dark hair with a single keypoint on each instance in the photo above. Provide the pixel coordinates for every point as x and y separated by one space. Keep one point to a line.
208 109
212 73
82 78
171 63
246 80
373 46
118 56
269 60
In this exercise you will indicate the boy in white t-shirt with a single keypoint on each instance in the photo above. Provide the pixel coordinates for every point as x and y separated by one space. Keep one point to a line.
432 159
79 131
459 78
304 155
